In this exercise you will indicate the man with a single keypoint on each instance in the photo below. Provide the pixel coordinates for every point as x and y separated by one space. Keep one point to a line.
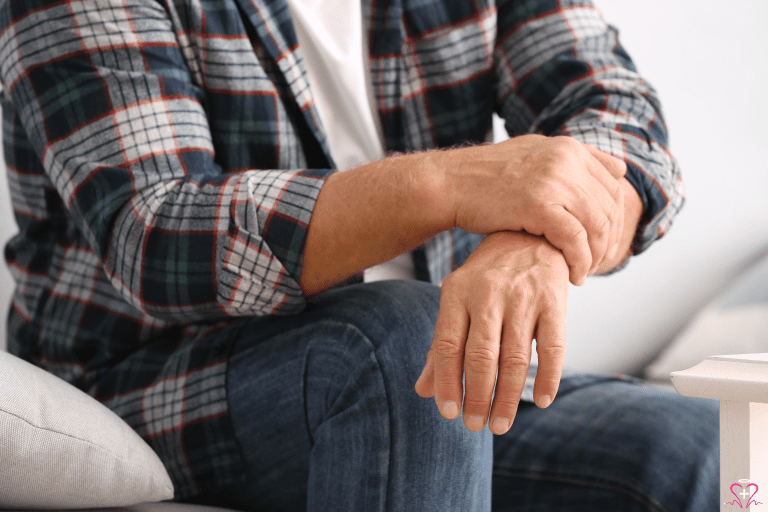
189 249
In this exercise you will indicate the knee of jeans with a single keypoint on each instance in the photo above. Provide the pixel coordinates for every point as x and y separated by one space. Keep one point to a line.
682 441
390 312
678 437
691 422
403 323
696 426
386 326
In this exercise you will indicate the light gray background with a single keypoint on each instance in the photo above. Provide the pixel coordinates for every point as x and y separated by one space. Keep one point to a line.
707 60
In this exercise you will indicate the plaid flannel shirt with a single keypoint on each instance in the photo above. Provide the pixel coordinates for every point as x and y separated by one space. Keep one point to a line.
164 157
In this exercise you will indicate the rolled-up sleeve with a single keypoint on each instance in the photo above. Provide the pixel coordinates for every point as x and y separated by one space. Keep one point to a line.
562 71
114 113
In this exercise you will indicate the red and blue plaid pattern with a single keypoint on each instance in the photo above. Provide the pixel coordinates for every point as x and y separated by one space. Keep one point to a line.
164 158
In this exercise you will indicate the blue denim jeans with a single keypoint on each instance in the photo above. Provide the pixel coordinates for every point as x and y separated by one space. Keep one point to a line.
327 418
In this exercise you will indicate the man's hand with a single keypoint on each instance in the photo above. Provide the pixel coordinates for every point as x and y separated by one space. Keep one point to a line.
552 186
512 289
569 192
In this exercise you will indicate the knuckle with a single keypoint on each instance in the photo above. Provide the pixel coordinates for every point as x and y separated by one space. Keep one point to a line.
450 283
480 359
472 403
515 362
523 293
487 288
578 235
550 302
567 143
602 225
504 402
453 288
538 192
447 347
619 168
561 159
448 336
552 349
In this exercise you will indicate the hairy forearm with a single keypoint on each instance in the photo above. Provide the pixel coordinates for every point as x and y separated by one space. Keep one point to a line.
371 214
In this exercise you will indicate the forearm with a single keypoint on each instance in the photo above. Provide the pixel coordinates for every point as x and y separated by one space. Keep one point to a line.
371 214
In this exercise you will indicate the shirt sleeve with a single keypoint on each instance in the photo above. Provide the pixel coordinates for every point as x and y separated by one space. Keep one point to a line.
115 115
562 71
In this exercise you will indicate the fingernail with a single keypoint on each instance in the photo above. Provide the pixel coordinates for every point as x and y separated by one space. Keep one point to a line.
500 426
475 423
450 410
544 401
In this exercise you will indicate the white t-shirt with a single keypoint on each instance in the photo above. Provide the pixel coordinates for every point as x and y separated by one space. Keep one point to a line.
330 34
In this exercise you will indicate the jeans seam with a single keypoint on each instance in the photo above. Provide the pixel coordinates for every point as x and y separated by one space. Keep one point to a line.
304 405
374 352
374 349
230 346
305 371
596 481
390 451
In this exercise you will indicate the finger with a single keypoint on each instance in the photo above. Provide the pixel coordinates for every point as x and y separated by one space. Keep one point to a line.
566 233
606 192
616 166
550 347
603 192
619 226
589 196
596 209
425 386
606 219
481 361
448 352
514 360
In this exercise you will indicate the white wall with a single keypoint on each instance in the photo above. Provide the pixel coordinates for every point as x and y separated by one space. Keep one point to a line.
707 60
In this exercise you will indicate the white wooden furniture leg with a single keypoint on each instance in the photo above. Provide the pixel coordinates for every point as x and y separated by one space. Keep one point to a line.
740 382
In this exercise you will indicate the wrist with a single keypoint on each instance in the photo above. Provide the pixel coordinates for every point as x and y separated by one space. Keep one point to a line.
505 243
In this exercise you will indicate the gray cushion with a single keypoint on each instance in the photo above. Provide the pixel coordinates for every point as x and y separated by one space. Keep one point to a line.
62 449
155 507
